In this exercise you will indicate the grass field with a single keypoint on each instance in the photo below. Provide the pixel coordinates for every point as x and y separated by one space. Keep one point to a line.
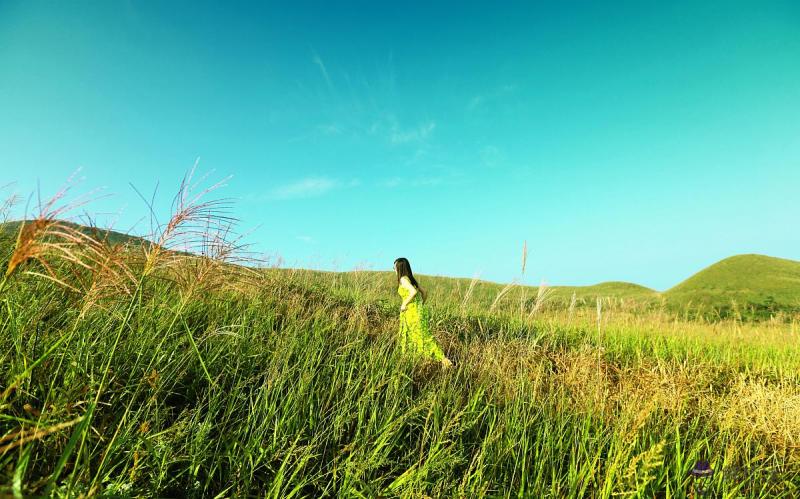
132 370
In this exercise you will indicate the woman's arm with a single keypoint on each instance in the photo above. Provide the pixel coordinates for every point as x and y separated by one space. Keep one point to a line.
412 291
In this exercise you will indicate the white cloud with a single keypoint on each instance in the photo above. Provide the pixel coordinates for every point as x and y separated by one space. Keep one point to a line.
417 134
309 187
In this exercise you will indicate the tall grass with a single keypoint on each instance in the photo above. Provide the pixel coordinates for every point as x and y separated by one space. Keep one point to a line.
163 369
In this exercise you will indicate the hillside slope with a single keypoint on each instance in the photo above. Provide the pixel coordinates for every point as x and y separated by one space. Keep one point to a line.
613 289
9 231
762 284
756 281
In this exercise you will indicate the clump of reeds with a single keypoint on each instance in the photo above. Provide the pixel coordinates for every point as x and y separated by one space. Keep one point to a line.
45 239
194 226
109 276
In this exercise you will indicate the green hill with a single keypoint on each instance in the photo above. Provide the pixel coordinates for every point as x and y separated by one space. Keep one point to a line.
756 282
752 285
9 231
614 289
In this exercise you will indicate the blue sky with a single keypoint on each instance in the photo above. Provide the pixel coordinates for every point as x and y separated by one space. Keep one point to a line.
636 141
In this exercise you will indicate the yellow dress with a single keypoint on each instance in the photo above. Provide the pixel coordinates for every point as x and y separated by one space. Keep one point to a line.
415 333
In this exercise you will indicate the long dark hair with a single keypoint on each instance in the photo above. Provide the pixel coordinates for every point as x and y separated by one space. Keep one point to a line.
404 269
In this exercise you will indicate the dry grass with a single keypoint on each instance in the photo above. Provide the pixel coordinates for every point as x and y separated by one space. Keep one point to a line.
469 292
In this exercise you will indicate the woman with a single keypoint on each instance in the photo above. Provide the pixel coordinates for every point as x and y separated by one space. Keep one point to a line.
415 333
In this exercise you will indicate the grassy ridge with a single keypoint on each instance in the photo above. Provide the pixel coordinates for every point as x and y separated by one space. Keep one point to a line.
746 286
9 231
764 282
743 286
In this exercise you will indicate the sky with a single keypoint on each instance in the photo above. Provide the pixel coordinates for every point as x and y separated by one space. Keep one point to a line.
628 141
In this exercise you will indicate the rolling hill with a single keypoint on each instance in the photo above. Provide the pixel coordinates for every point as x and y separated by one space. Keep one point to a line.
754 285
616 289
751 281
9 230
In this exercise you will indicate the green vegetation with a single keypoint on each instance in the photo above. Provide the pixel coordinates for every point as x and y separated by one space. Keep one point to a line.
614 289
136 371
9 230
755 286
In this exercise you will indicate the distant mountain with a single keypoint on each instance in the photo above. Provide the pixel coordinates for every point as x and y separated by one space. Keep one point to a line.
751 281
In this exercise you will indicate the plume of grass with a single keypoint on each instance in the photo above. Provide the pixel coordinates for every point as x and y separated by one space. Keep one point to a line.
8 204
110 276
468 294
523 295
190 225
524 255
501 294
543 293
599 340
572 302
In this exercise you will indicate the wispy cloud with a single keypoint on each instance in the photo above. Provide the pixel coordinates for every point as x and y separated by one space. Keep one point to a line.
309 187
481 99
316 59
307 239
417 134
357 108
330 129
414 181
